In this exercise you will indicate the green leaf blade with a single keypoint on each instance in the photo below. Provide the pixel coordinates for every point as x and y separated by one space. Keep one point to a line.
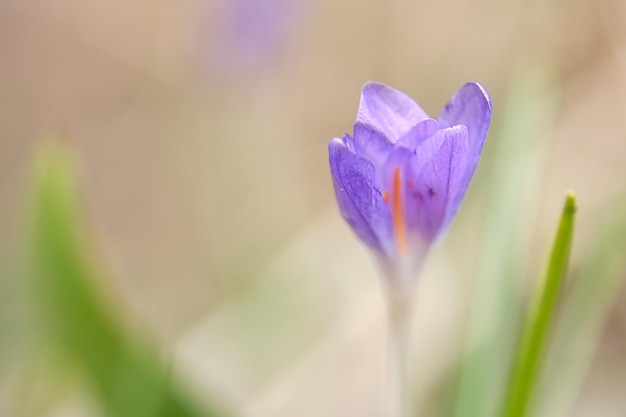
536 333
591 295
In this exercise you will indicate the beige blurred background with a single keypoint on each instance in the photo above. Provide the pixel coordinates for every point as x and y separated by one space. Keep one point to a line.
210 191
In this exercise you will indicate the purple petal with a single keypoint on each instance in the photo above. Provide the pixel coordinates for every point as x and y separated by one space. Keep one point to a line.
458 175
418 133
359 197
470 106
437 175
349 142
371 145
388 111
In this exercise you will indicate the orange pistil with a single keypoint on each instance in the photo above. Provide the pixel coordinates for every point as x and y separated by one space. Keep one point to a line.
397 211
386 196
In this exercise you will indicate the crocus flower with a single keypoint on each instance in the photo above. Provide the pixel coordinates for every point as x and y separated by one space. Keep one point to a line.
400 178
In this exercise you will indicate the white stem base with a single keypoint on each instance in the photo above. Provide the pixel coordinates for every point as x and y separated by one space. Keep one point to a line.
400 311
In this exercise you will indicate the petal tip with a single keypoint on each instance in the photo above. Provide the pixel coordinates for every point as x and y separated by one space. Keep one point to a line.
388 111
373 84
375 89
471 106
335 142
479 91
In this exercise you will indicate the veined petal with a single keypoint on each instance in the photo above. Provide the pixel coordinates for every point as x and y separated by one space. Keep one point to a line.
388 111
458 175
359 197
470 106
418 133
436 177
371 144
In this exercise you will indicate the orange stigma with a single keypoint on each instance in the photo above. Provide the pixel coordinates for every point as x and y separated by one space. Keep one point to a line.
397 211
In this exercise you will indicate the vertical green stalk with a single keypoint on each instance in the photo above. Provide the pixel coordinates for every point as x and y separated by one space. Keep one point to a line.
535 336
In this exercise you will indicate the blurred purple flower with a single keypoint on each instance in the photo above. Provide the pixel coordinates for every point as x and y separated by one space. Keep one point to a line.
244 36
399 180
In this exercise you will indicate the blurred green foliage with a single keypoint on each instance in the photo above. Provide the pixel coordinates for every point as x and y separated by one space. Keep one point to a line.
62 272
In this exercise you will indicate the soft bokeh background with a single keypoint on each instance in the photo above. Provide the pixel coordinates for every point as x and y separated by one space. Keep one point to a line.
201 129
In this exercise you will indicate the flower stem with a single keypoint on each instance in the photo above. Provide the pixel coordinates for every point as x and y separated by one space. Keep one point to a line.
400 305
